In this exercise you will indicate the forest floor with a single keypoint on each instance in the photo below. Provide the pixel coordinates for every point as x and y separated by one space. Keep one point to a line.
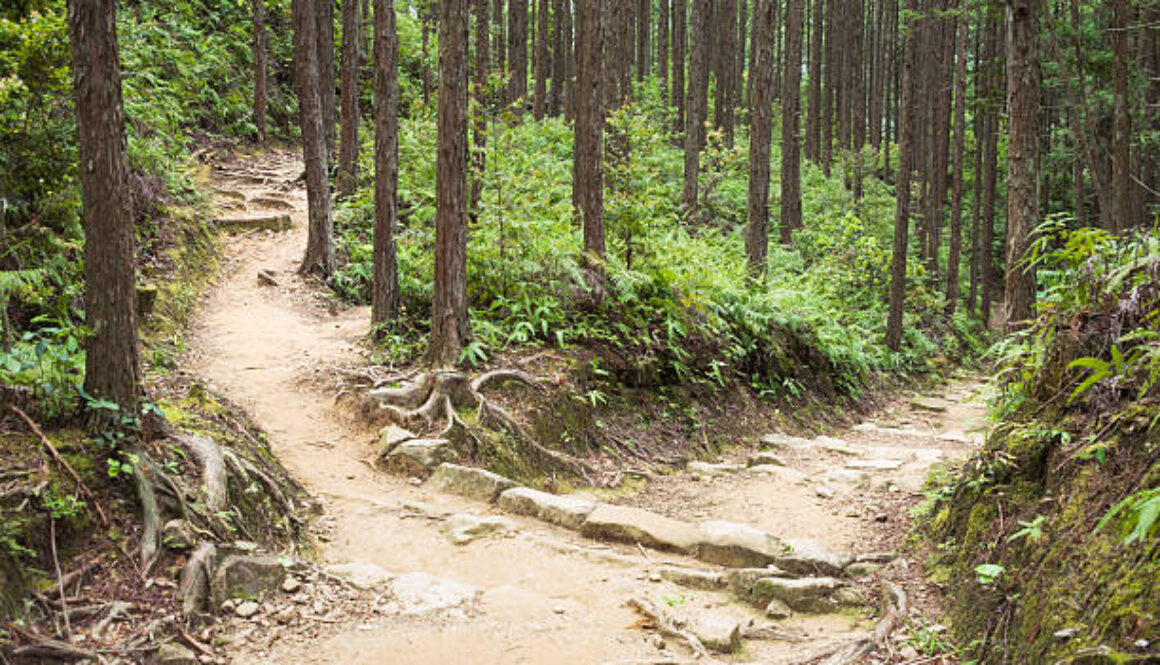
535 593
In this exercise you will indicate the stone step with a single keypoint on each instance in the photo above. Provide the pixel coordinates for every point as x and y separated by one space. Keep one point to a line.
566 511
469 482
273 222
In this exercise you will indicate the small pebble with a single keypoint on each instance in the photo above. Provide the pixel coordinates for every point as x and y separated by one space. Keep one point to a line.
229 605
654 577
559 609
247 609
291 584
415 481
659 642
881 517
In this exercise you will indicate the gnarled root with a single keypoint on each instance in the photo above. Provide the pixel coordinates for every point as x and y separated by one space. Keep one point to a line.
502 376
497 418
666 625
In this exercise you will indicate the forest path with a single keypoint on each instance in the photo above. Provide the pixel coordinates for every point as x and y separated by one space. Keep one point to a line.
540 594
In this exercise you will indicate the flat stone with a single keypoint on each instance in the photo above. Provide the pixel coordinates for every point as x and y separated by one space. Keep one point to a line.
247 609
694 578
272 222
807 556
777 609
763 458
782 474
736 545
464 528
717 631
742 580
862 569
422 594
566 511
391 436
172 653
786 442
246 576
848 478
808 594
710 469
930 404
365 576
291 584
469 482
417 457
633 525
875 464
830 444
849 597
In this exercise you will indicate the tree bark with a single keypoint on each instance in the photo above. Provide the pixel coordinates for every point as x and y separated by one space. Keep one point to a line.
259 24
319 256
791 142
663 47
449 325
680 39
385 284
326 87
517 50
696 103
543 65
814 120
587 167
739 97
956 239
348 148
1121 213
1022 155
722 27
643 38
902 190
479 105
112 361
760 121
559 60
499 46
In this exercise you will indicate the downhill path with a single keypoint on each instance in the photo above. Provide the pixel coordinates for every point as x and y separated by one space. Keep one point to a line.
541 595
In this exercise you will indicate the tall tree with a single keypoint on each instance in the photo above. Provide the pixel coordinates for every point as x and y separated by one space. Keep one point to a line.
907 117
813 141
449 325
739 98
324 45
479 104
385 284
112 362
543 65
663 46
1121 213
499 46
990 169
791 140
559 59
587 168
722 27
319 257
517 49
1022 155
680 39
696 102
956 239
259 24
348 148
643 37
760 121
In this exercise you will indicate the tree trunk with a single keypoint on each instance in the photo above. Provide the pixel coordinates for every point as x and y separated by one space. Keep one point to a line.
112 362
663 47
569 61
791 143
425 50
829 78
517 50
722 27
587 169
326 87
499 46
559 60
385 285
1022 155
760 121
902 189
449 325
543 66
956 239
739 98
319 256
814 120
479 93
1121 213
990 168
643 37
680 40
348 155
260 69
696 103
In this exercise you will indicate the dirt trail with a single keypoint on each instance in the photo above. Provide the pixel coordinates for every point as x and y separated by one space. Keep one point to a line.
545 595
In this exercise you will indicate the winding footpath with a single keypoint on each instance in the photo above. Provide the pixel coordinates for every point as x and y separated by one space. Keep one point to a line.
531 592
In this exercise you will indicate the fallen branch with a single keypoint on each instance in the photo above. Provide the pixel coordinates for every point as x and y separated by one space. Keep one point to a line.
84 489
667 626
59 577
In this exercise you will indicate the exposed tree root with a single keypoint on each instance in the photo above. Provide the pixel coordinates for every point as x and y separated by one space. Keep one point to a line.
150 512
667 626
853 651
193 585
213 471
435 397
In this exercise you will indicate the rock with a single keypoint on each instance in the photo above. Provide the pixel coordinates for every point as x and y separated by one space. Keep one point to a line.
177 535
930 404
833 445
736 545
146 299
420 594
717 631
266 278
708 469
274 222
776 609
862 569
247 609
875 464
464 528
468 482
849 597
848 478
633 525
764 458
654 576
1065 634
786 442
742 580
693 578
365 576
391 436
808 594
807 556
286 615
824 491
566 511
291 584
428 510
246 576
783 474
416 458
172 653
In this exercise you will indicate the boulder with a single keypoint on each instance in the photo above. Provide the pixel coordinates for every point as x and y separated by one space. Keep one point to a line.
246 576
694 578
364 576
566 511
464 528
391 436
807 556
812 595
633 525
736 545
172 653
469 482
416 458
717 631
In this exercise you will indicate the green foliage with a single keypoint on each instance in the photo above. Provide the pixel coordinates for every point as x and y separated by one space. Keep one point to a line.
1139 513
